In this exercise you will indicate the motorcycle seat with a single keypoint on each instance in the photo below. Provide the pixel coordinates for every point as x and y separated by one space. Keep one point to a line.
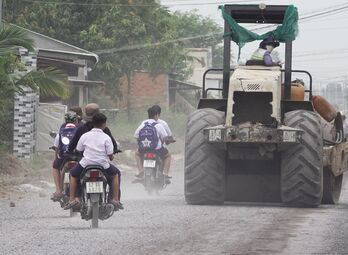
94 167
97 167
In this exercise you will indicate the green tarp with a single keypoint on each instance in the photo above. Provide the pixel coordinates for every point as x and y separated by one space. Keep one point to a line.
287 31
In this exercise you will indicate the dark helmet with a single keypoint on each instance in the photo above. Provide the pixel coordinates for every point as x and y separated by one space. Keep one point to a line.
269 41
70 117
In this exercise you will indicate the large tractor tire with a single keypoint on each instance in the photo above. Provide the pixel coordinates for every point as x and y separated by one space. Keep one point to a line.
302 165
204 162
332 187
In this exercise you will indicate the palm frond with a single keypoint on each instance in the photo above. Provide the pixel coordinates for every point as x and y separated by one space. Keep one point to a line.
49 81
12 37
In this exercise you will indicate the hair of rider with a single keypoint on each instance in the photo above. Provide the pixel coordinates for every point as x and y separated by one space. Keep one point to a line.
152 113
90 110
157 108
99 120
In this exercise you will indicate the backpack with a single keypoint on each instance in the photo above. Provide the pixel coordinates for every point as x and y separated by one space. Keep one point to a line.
67 131
148 138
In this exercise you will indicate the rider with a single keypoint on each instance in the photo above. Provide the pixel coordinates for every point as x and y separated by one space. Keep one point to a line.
97 149
169 138
265 52
159 147
90 110
87 125
67 129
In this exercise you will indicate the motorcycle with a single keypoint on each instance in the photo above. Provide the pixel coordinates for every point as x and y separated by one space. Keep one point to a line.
154 180
70 160
95 192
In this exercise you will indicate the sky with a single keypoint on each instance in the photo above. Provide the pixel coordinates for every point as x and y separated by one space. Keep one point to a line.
321 46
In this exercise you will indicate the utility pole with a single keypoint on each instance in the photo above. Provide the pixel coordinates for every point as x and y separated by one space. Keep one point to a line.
0 12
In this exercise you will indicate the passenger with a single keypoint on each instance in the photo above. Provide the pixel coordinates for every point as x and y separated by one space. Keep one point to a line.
264 52
97 149
169 138
67 130
79 113
91 110
155 142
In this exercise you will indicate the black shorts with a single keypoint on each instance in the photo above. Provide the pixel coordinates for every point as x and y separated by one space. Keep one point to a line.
160 152
58 163
77 170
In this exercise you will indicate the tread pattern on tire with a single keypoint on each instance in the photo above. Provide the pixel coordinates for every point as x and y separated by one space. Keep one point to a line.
331 188
302 166
204 162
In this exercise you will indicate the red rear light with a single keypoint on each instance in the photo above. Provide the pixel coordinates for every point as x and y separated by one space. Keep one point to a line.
150 155
94 174
71 164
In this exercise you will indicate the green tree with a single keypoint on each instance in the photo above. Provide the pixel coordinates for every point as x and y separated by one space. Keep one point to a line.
13 76
50 82
128 35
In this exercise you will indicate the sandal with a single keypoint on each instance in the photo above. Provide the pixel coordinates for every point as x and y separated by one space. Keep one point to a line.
57 196
71 204
117 205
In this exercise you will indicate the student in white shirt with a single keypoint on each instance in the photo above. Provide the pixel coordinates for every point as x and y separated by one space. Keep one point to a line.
169 138
160 148
97 149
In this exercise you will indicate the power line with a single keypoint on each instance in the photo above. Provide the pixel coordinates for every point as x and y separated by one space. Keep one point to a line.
130 5
317 14
137 47
143 46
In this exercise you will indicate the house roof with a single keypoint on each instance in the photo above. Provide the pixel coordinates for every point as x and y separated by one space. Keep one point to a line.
46 43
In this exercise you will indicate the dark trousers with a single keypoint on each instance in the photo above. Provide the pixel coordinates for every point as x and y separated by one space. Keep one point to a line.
111 171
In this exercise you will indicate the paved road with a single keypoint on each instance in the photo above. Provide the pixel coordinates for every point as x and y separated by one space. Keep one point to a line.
166 225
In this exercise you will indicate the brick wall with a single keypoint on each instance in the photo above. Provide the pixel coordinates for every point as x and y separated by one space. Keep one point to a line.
25 107
145 90
24 123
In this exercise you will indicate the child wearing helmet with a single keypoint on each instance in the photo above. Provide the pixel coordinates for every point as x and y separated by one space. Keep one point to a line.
61 142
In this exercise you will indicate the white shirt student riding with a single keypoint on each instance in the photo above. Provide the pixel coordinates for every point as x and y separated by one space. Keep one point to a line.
161 132
96 146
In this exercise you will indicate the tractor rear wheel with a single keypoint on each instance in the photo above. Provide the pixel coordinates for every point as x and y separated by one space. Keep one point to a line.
204 162
302 166
332 187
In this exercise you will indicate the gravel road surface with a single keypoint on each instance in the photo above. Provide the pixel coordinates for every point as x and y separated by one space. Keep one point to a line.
166 225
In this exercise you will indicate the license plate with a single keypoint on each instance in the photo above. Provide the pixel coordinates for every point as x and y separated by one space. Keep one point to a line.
149 163
66 177
214 135
289 136
94 187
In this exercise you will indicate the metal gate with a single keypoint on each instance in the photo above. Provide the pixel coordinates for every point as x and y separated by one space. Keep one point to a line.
49 118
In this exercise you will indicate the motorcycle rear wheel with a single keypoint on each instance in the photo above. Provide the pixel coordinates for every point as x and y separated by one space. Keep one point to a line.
95 214
148 182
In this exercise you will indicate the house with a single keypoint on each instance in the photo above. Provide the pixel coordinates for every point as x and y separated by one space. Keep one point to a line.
76 62
36 116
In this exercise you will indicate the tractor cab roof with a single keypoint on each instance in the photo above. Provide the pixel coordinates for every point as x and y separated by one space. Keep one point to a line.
286 15
270 14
